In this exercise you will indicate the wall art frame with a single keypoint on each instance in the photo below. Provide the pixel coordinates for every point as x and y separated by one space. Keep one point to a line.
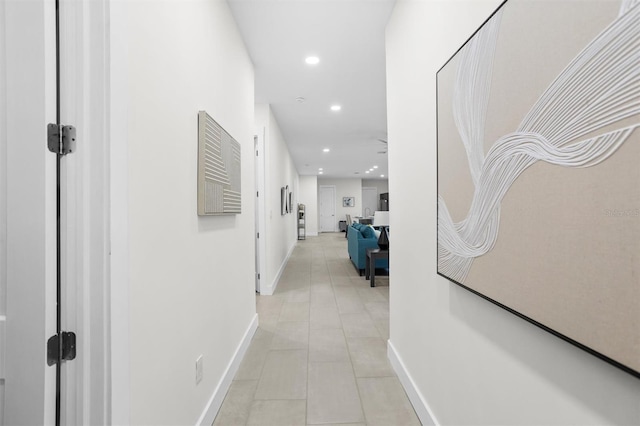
283 200
348 201
219 169
538 140
290 205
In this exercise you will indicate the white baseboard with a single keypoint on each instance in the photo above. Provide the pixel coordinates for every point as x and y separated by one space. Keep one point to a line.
215 402
424 412
268 290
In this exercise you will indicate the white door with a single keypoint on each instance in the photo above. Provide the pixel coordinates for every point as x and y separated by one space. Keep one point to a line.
27 60
28 192
327 208
369 201
259 208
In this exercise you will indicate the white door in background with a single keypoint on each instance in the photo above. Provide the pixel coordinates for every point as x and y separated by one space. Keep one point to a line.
369 201
327 208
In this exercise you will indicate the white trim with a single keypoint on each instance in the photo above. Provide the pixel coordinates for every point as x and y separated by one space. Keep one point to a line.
335 207
120 351
85 210
215 402
271 288
420 405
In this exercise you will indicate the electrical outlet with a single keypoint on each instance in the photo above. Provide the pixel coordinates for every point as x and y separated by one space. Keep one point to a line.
199 369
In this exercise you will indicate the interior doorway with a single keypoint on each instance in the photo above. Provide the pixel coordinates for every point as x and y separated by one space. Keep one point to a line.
259 208
327 208
369 201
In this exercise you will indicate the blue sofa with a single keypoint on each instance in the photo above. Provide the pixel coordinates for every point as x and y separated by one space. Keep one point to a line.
359 239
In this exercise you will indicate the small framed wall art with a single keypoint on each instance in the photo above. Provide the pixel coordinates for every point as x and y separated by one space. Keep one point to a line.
348 201
283 200
219 169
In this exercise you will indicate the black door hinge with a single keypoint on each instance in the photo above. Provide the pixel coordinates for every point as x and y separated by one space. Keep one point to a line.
61 347
61 139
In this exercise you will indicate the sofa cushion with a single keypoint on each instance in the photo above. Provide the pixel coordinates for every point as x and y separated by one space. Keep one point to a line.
377 232
367 232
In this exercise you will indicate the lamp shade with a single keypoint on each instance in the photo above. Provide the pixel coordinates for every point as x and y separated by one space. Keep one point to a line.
380 218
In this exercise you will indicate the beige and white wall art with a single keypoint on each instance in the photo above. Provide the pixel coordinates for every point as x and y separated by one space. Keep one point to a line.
539 169
219 169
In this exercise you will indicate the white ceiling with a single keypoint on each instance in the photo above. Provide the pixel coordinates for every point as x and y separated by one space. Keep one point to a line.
348 37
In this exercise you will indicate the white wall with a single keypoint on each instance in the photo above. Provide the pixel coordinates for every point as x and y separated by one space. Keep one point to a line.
470 361
381 184
309 197
190 290
345 188
281 232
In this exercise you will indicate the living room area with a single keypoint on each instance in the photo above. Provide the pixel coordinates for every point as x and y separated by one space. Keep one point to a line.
359 208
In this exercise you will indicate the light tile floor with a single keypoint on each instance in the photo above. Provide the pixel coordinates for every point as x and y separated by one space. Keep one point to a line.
320 353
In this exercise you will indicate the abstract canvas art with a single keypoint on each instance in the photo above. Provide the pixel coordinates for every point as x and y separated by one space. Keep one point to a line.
538 170
219 169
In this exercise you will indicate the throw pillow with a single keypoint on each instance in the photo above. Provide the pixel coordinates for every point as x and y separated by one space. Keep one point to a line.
367 232
375 231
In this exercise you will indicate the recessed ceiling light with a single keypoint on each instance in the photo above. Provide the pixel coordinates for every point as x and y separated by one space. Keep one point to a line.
300 99
326 150
367 171
370 170
381 175
336 107
320 173
312 60
375 167
320 168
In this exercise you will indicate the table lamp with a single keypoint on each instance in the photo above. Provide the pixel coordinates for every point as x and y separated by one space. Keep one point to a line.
381 219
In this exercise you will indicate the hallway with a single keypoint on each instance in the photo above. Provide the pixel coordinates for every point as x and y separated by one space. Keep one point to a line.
319 355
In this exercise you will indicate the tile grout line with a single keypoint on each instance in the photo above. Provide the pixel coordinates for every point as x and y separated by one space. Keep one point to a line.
306 400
